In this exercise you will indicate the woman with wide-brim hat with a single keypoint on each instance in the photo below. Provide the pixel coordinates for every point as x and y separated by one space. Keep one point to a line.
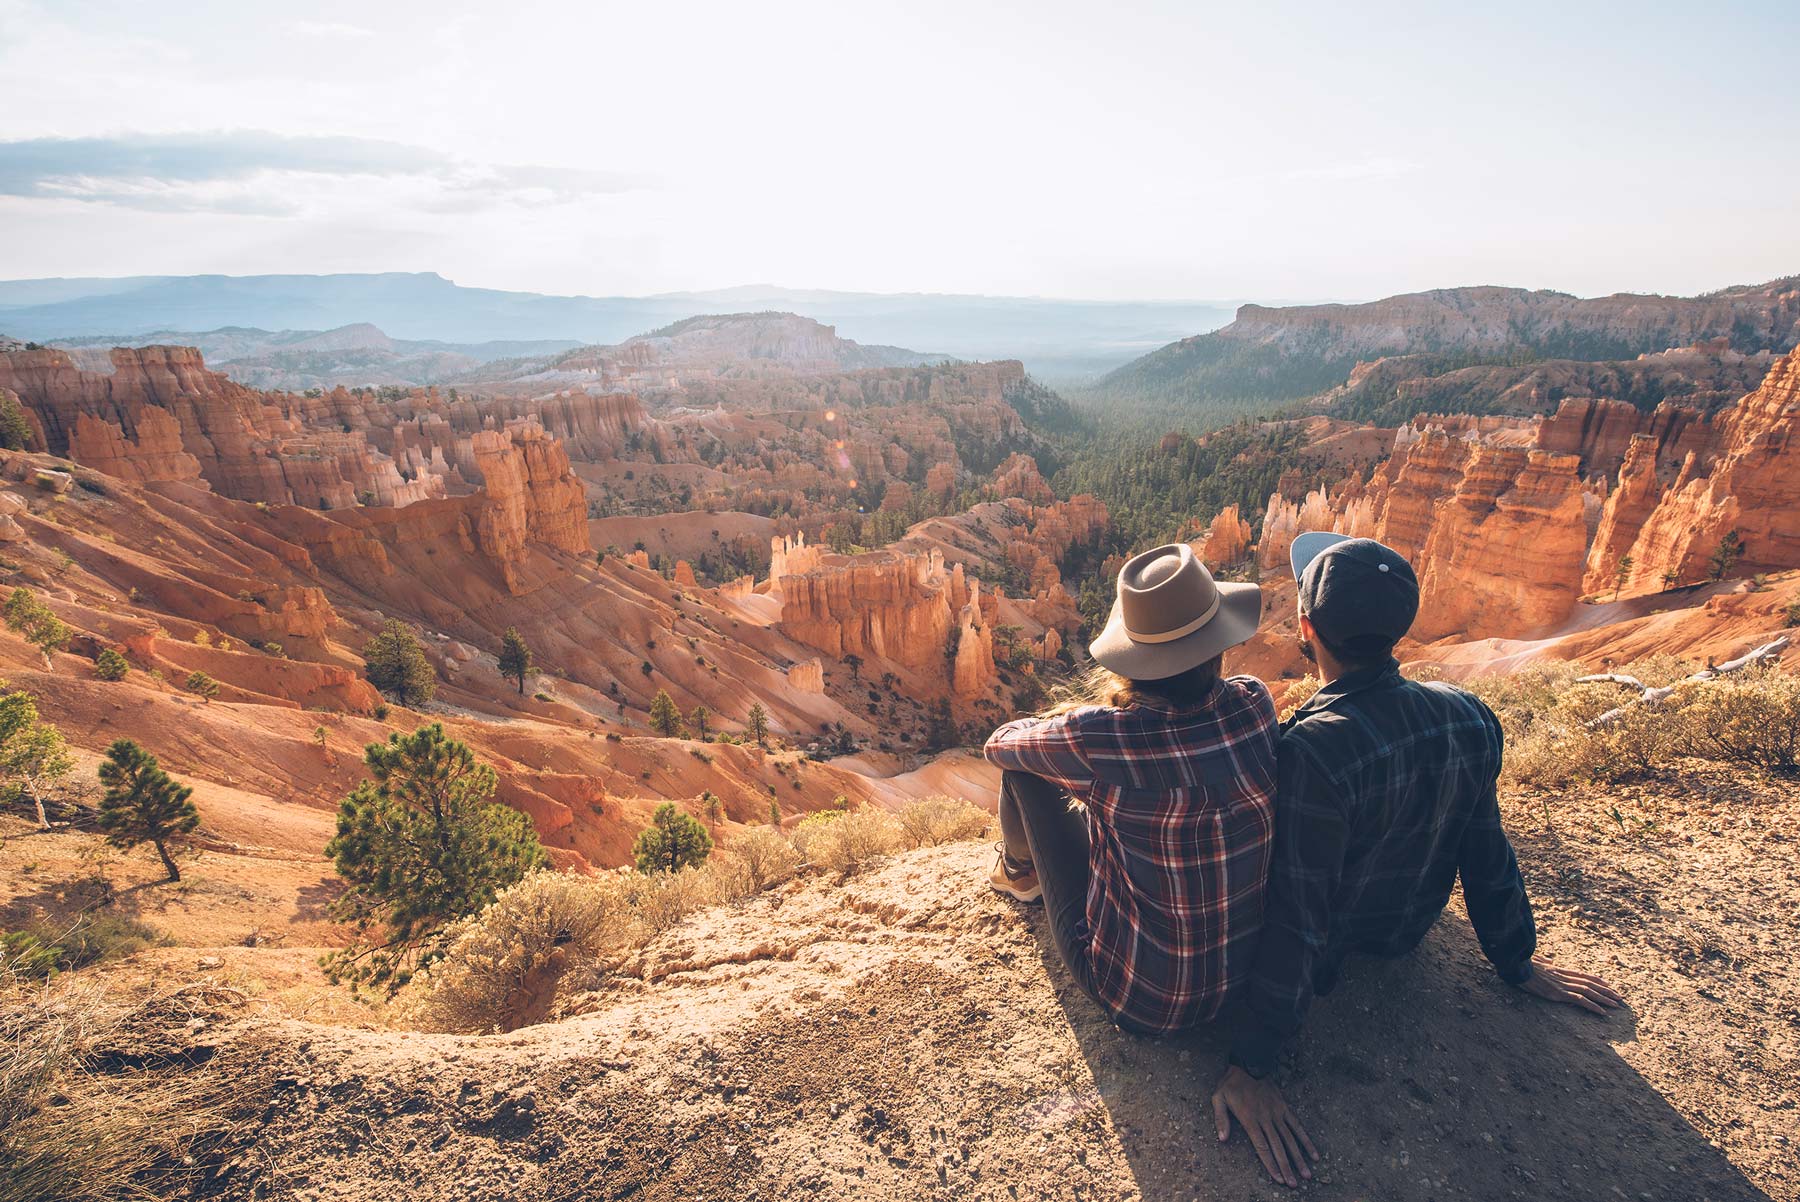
1153 886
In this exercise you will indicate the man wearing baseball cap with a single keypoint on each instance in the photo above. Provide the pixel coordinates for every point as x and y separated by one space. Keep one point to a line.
1385 795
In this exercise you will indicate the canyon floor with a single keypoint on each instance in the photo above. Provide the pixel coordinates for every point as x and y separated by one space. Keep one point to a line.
907 1033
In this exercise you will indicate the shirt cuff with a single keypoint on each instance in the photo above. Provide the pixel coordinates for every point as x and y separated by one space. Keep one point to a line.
1255 1050
1517 974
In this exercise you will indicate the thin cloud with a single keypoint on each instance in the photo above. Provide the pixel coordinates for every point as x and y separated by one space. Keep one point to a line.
1380 167
229 171
330 29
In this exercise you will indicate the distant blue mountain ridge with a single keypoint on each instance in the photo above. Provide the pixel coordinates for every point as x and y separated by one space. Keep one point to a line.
1057 339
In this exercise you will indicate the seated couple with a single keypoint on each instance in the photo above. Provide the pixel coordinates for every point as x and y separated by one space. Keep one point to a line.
1217 857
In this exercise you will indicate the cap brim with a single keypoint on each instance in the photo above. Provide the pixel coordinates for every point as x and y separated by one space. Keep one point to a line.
1240 612
1309 546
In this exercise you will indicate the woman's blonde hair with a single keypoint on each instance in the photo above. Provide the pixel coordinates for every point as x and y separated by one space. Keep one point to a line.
1102 686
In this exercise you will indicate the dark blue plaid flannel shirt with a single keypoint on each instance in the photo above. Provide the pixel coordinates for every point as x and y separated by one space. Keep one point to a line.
1386 794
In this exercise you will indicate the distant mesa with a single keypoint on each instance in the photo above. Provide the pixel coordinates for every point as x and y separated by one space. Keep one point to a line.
1525 348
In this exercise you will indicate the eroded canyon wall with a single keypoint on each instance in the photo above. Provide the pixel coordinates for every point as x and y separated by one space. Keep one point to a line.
1745 483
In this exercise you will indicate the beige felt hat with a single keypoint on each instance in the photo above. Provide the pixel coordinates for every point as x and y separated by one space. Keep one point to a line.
1171 615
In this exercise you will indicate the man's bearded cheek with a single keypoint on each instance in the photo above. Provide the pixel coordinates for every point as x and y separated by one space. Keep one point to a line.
1307 650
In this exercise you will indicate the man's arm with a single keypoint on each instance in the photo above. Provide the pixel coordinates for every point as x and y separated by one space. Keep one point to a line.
1311 833
1500 911
1494 892
1307 861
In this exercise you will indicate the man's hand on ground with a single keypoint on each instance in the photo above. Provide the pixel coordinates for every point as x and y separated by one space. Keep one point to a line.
1274 1132
1571 988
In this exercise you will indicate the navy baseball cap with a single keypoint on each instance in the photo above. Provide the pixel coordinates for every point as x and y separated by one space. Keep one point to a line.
1360 595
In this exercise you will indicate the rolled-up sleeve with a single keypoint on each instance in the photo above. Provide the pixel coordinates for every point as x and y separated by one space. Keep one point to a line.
1046 747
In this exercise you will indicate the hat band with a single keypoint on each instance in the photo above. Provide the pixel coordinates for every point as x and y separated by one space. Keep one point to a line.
1182 631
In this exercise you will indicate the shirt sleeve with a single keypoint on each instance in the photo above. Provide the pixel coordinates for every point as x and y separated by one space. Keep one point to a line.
1046 747
1493 890
1306 864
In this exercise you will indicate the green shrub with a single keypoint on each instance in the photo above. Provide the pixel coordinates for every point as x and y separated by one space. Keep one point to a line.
30 617
110 665
395 664
1749 717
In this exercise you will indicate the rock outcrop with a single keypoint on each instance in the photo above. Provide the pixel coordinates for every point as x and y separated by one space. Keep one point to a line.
894 609
1497 532
1504 556
1227 539
1747 487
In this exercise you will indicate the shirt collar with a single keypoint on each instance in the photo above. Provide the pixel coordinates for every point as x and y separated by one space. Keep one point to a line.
1206 700
1360 681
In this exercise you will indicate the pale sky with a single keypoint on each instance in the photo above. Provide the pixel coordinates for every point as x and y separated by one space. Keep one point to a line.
1106 150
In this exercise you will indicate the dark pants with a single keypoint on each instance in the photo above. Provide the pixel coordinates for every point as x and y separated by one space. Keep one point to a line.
1040 829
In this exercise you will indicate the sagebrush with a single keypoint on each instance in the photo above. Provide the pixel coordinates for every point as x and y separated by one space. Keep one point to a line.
553 934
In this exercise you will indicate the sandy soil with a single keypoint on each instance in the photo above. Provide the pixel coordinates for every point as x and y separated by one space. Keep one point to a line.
908 1034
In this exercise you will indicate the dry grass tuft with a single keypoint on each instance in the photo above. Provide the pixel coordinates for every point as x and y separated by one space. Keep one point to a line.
70 1133
847 842
492 956
1751 717
757 859
936 820
662 899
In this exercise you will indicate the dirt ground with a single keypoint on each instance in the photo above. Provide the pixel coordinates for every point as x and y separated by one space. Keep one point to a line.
907 1034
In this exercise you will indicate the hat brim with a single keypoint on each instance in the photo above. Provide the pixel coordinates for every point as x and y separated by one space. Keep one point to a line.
1240 612
1309 546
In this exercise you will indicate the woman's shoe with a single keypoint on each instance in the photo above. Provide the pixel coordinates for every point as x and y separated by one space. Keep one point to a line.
1020 884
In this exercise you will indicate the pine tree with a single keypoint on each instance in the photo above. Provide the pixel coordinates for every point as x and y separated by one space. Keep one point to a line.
673 840
758 724
715 809
1725 556
15 429
774 813
854 662
32 753
699 718
421 844
1621 573
110 665
204 685
33 619
1669 578
142 803
515 657
941 730
396 665
664 717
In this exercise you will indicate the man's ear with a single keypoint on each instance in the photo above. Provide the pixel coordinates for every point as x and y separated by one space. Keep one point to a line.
1306 629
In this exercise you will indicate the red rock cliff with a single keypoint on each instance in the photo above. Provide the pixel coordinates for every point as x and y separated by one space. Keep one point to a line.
1750 485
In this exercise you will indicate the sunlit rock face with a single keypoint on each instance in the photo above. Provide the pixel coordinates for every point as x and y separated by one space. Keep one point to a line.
1748 483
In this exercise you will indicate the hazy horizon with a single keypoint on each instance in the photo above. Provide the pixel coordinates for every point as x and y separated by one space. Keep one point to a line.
1163 152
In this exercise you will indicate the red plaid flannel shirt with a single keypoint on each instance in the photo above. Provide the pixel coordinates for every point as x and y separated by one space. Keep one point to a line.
1180 814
